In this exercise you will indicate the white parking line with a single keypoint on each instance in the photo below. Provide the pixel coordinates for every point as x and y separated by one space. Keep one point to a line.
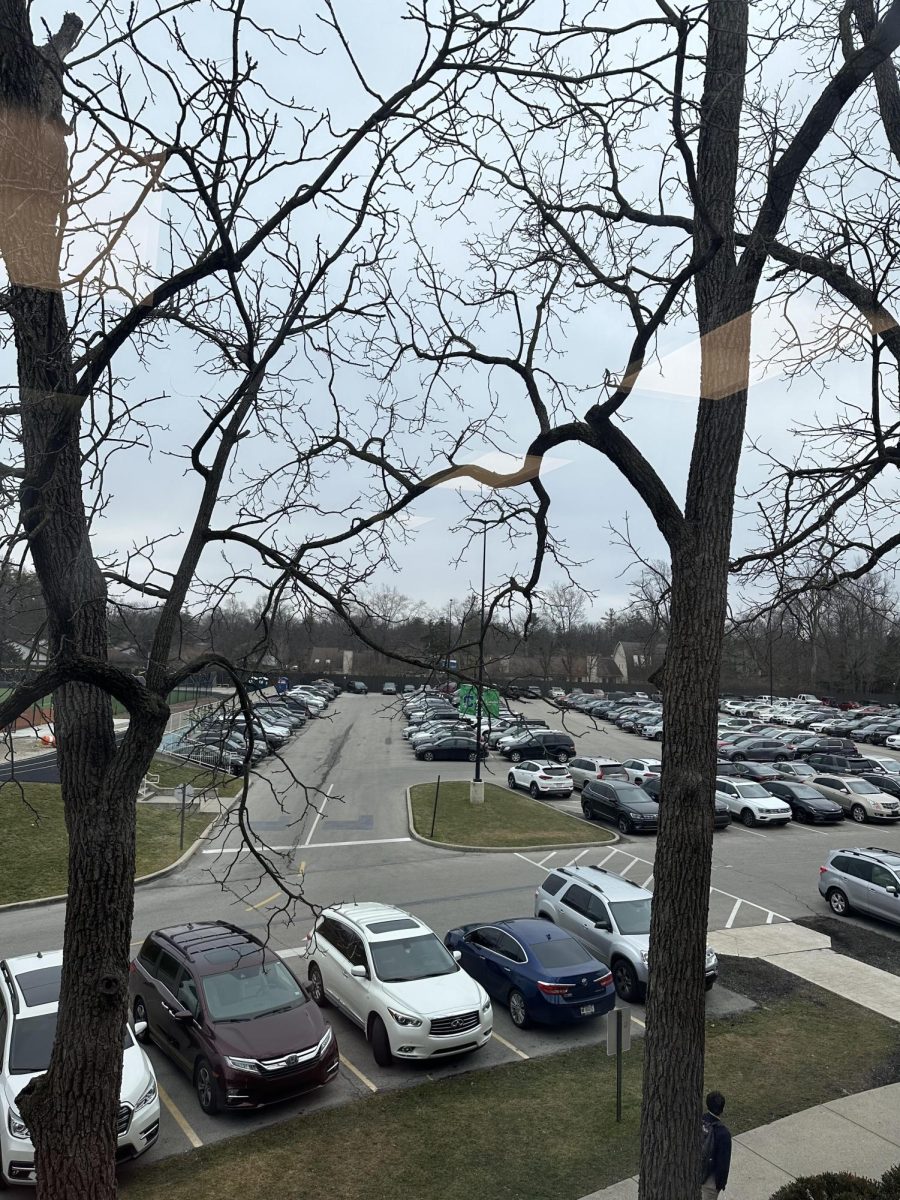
525 858
509 1045
573 861
647 881
734 913
547 856
608 857
743 829
318 816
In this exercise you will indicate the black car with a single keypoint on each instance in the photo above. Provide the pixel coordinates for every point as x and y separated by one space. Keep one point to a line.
823 745
358 688
538 743
881 779
464 748
625 804
757 771
653 787
756 749
533 690
724 768
879 735
837 764
807 803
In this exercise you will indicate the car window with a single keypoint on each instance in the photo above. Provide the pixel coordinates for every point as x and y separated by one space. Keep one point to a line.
578 899
862 787
355 951
510 948
580 763
632 763
167 971
487 936
186 994
597 909
860 868
334 933
149 955
882 877
552 884
726 787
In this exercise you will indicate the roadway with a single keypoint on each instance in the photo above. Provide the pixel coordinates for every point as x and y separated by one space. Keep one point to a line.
332 816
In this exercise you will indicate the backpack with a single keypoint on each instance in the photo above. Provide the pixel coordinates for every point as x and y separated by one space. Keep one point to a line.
707 1149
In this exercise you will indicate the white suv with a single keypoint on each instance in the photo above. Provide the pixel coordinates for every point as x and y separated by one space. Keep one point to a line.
392 976
541 778
29 998
751 804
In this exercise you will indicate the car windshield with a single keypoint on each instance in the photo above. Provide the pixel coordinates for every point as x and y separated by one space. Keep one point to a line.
554 770
405 959
632 916
862 787
32 1043
559 952
753 791
251 991
802 791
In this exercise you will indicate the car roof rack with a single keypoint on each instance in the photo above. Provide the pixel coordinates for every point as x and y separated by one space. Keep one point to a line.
10 983
206 934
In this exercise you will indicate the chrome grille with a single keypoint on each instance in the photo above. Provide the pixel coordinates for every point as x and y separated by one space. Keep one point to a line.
448 1026
124 1119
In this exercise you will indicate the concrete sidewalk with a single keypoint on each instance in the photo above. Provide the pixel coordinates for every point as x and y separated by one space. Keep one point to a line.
856 1133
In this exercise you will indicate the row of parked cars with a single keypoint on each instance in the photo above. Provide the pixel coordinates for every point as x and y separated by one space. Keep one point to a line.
876 725
436 730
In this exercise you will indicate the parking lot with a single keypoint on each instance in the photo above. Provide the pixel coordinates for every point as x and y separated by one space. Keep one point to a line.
347 838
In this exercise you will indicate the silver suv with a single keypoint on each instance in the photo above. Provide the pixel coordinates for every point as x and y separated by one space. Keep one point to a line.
611 916
866 879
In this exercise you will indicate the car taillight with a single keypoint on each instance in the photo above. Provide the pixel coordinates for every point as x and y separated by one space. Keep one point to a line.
604 980
554 989
822 870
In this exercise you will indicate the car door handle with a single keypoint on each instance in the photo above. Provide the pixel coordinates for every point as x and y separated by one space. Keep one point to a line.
169 1010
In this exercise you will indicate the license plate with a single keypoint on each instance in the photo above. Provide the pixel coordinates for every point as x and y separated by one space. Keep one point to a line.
587 1010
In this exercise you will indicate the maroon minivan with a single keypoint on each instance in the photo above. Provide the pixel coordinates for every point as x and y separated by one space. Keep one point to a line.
231 1014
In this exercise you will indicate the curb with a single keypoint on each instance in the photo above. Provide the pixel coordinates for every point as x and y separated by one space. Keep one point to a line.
141 880
613 838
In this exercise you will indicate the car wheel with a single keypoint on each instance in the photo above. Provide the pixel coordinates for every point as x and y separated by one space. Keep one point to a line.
586 810
518 1009
207 1088
747 818
511 781
838 901
738 758
626 980
317 986
472 756
858 813
533 789
562 757
708 983
624 824
515 756
428 756
801 815
139 1013
381 1046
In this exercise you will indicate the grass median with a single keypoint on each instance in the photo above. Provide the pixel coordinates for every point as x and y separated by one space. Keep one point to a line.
200 778
534 1129
36 844
505 819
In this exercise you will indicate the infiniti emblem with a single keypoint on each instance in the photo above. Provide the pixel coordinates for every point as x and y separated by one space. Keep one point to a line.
455 1023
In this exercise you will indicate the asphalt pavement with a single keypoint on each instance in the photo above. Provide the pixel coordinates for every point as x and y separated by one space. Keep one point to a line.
332 816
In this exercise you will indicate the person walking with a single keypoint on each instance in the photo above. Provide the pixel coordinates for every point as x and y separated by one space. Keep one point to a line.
716 1148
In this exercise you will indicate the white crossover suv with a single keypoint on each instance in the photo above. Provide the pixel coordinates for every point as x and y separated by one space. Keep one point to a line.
540 778
392 976
751 804
29 998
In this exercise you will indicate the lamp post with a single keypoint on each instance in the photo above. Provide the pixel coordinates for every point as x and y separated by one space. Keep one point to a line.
480 666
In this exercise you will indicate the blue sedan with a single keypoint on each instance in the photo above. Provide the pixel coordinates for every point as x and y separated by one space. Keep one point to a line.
540 972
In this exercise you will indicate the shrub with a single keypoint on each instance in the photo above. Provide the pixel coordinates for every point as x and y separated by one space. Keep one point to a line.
830 1186
890 1184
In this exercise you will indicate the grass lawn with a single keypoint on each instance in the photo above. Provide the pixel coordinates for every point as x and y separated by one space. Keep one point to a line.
172 773
35 850
530 1130
505 819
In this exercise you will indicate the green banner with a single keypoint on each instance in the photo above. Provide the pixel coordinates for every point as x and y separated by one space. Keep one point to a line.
468 701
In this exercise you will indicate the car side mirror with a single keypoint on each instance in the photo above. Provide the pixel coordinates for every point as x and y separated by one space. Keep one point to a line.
602 925
892 889
140 1029
358 971
457 955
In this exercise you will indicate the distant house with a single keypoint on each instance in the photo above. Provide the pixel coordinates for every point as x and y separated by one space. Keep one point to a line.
637 661
600 668
34 655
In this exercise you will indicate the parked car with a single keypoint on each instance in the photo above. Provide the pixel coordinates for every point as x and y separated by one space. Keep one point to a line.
542 974
864 801
758 772
29 1001
389 689
583 769
231 1015
751 804
823 745
878 735
884 782
540 743
358 688
755 749
534 691
624 804
278 714
836 764
865 879
389 974
611 915
637 769
541 778
806 802
652 785
450 748
795 770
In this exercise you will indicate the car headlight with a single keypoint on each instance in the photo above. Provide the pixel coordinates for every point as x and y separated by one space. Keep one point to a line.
405 1019
710 956
17 1126
645 957
486 1007
250 1065
148 1096
326 1040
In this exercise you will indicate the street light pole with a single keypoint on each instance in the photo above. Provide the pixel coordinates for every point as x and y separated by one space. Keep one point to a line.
481 655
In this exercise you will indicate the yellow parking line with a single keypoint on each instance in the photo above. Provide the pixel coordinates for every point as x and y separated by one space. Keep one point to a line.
180 1119
637 1020
358 1073
262 903
509 1045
